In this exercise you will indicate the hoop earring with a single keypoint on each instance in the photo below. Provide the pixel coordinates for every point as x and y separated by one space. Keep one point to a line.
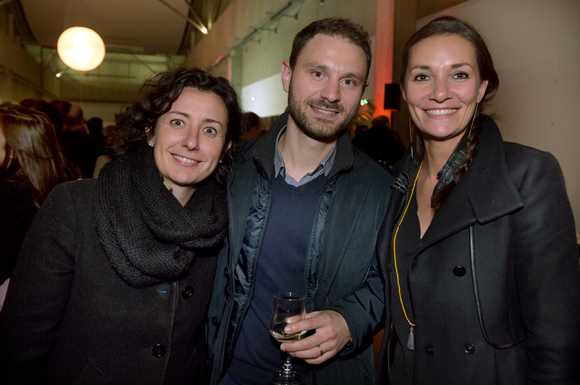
8 163
471 126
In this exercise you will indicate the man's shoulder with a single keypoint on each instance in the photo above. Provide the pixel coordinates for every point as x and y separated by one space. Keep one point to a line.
366 166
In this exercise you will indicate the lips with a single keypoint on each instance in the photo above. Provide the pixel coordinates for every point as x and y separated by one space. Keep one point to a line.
185 160
441 112
324 112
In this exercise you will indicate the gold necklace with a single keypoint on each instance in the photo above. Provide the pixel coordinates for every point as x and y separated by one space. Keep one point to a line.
411 341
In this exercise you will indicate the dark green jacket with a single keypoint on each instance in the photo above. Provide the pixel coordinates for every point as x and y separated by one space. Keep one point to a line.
342 268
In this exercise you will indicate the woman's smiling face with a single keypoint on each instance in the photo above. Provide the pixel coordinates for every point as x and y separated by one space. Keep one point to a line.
189 141
442 86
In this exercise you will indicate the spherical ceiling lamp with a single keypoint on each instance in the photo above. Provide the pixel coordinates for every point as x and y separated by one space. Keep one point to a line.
81 48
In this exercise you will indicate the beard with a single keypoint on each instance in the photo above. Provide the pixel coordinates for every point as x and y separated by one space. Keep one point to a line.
313 127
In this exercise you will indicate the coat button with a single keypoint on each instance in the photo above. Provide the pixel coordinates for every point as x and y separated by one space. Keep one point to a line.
430 350
187 292
459 271
158 350
469 348
226 273
215 321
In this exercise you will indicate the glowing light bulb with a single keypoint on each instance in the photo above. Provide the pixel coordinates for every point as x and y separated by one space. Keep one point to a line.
81 48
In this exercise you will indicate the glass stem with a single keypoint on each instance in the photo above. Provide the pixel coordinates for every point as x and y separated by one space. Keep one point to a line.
287 368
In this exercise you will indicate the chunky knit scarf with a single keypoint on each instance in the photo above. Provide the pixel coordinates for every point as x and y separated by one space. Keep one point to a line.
147 235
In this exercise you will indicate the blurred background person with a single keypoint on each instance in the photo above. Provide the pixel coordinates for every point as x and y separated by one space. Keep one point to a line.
478 245
115 276
95 126
54 111
31 165
379 143
252 126
77 144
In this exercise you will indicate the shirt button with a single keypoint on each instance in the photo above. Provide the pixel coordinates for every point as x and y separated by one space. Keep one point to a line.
469 348
459 271
430 350
215 321
187 292
158 350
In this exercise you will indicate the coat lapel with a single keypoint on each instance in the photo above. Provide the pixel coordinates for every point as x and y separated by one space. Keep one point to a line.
483 194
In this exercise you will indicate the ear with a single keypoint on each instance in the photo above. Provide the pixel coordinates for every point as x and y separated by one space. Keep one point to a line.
227 147
150 137
403 93
286 75
481 92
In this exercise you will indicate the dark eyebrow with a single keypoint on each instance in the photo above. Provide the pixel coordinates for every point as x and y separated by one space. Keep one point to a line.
454 66
322 67
458 65
206 120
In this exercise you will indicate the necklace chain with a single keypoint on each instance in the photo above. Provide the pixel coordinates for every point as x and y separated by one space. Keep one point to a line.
410 343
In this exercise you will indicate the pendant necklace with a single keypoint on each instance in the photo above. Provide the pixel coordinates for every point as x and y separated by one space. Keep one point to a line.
411 340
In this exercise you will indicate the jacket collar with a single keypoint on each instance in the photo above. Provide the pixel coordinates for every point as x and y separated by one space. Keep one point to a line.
483 194
263 150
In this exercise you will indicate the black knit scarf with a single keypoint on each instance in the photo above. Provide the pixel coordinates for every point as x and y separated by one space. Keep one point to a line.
147 235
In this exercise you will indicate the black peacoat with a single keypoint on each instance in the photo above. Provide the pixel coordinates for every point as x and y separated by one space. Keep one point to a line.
495 283
78 322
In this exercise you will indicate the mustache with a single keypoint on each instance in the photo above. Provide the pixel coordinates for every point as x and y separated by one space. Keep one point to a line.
324 104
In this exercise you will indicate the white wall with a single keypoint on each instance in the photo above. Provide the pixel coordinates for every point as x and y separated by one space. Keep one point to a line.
265 97
535 45
258 62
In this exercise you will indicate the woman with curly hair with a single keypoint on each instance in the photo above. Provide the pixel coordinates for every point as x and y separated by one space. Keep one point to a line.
115 276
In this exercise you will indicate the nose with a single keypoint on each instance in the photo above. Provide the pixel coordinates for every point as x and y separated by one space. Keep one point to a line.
441 90
191 139
331 91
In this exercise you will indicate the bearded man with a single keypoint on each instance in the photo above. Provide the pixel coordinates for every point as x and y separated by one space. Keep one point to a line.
305 207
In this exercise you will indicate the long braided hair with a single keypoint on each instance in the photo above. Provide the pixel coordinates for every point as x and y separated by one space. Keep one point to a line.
448 25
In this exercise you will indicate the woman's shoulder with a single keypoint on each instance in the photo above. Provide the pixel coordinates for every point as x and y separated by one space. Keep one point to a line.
16 193
72 194
78 186
521 157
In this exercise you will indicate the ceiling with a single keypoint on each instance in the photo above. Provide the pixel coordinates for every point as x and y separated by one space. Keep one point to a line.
148 26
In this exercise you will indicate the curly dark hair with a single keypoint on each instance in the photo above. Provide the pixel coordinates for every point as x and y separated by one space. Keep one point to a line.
449 25
335 27
157 96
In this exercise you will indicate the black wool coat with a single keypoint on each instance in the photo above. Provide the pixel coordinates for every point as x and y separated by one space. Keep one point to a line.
70 319
17 210
495 283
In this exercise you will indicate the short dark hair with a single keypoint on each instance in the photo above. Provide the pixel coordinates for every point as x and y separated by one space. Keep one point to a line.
157 96
335 27
449 25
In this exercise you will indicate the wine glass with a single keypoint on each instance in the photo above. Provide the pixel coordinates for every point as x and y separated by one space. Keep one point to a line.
288 307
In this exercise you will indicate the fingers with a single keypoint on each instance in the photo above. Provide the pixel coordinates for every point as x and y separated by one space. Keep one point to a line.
331 335
312 322
314 355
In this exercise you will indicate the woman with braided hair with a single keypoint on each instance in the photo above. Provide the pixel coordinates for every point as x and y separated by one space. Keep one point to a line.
115 276
478 246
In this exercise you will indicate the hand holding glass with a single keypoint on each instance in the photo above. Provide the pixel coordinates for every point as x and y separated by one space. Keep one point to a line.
288 307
